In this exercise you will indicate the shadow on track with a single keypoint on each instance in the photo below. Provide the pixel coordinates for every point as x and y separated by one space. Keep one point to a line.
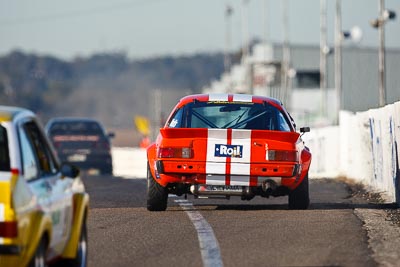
325 194
313 206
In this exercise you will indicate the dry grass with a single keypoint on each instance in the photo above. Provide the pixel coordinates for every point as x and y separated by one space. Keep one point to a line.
357 189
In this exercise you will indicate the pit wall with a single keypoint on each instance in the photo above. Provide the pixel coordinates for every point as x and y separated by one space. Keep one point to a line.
363 147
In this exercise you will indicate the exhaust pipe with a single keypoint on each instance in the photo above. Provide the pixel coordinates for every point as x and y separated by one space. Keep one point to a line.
269 185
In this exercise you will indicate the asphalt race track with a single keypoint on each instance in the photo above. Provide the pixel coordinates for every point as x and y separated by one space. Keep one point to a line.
219 232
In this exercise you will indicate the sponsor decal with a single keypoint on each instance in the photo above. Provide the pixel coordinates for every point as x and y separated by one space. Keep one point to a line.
228 151
173 123
229 148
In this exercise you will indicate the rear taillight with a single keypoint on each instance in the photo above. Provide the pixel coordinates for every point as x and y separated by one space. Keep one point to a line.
282 155
174 152
8 229
14 171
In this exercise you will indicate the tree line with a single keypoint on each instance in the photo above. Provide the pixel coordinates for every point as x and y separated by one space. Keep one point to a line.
109 87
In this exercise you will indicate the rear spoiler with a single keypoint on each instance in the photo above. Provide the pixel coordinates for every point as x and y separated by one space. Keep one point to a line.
195 133
184 132
290 137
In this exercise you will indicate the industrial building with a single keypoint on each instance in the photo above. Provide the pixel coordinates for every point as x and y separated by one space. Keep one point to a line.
261 73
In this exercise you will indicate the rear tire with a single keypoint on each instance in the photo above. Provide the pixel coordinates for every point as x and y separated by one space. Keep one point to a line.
39 259
82 252
157 196
299 198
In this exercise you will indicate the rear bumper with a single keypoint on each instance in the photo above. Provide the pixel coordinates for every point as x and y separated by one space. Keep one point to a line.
9 250
202 179
281 169
241 174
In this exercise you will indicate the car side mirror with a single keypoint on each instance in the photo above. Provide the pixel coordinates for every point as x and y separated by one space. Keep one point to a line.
304 129
68 170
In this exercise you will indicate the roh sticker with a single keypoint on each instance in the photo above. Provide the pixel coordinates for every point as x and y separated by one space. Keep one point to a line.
234 151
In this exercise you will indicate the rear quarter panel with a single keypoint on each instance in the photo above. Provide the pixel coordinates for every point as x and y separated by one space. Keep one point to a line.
151 157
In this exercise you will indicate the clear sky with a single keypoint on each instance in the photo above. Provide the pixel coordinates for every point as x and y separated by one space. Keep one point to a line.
147 28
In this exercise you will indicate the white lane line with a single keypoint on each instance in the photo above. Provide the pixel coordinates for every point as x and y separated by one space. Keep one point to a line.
209 247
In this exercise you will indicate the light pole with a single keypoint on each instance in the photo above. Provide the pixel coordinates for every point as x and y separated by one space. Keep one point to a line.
323 53
286 91
245 29
379 23
265 22
355 34
227 59
338 57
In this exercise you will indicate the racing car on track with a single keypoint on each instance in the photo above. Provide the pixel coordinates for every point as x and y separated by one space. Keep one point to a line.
228 145
43 204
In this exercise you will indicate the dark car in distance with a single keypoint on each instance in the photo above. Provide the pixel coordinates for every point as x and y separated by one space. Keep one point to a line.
82 142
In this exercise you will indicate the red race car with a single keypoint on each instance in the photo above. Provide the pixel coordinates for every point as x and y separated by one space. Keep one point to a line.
228 145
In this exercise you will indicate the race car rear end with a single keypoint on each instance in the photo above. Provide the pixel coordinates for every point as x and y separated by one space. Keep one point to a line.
228 145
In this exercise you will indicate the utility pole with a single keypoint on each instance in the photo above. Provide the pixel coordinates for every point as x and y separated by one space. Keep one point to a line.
379 23
245 28
322 58
227 57
156 96
246 47
338 57
265 22
265 34
382 80
285 56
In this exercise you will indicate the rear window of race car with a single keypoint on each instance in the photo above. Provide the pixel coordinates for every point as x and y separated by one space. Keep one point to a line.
223 115
4 151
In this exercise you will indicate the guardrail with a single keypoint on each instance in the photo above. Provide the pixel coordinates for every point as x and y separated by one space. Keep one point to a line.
129 162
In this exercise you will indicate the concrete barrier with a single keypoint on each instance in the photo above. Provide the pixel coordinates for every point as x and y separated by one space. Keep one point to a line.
363 147
129 162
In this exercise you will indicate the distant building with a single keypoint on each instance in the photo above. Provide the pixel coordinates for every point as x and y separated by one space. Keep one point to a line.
260 73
